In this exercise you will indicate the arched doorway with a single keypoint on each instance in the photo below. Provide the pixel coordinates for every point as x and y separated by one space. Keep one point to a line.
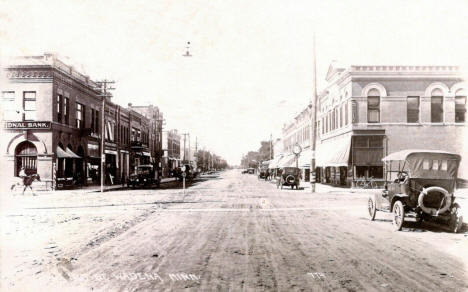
26 156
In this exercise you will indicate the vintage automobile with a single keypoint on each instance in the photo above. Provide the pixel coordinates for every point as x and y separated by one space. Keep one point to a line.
263 173
288 176
144 175
419 185
249 171
190 173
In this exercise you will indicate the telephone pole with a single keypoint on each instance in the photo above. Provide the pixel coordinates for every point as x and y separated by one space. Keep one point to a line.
185 137
313 119
271 146
104 87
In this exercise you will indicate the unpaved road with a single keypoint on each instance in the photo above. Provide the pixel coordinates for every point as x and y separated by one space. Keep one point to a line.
228 233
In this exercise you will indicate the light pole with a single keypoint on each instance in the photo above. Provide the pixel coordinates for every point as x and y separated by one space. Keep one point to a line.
297 149
312 128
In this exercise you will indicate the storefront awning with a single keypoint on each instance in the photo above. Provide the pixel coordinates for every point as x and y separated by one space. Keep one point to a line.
61 153
334 153
305 158
71 153
274 162
265 163
288 161
65 154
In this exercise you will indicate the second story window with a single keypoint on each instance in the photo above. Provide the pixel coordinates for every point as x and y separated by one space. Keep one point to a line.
346 114
437 110
460 109
412 111
94 121
59 103
10 112
80 112
66 110
29 104
373 109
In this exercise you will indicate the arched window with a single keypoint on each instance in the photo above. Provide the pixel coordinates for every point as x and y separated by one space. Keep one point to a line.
437 108
373 106
26 156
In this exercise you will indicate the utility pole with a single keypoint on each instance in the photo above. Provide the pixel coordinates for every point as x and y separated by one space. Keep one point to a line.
185 136
271 146
313 119
104 88
196 150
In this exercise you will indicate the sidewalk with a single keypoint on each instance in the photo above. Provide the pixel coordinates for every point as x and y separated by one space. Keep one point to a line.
87 189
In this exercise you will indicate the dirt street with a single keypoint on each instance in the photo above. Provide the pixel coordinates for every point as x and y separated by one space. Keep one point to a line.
231 232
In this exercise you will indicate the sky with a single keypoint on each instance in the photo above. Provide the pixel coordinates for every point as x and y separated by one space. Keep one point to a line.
251 68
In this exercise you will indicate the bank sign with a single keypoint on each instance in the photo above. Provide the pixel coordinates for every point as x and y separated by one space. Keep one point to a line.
27 125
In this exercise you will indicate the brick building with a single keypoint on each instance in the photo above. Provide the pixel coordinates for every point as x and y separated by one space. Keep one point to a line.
171 147
367 112
52 125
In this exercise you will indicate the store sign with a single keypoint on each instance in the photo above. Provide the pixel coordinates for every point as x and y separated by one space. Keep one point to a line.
27 125
93 150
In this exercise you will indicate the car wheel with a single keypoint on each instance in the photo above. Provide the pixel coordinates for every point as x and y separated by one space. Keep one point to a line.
398 215
372 208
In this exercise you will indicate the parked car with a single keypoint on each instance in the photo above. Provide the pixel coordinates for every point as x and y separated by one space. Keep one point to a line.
263 173
419 185
144 175
189 173
288 176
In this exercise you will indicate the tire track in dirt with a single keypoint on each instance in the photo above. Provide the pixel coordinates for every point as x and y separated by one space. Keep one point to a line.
357 251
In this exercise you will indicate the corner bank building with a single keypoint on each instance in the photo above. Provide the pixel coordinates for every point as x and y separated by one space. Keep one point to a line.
52 123
367 112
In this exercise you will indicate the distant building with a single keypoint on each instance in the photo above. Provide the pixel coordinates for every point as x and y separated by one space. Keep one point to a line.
172 155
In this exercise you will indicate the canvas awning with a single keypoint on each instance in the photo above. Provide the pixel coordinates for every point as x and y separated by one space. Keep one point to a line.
265 163
71 153
287 161
305 158
334 153
61 153
274 162
65 154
